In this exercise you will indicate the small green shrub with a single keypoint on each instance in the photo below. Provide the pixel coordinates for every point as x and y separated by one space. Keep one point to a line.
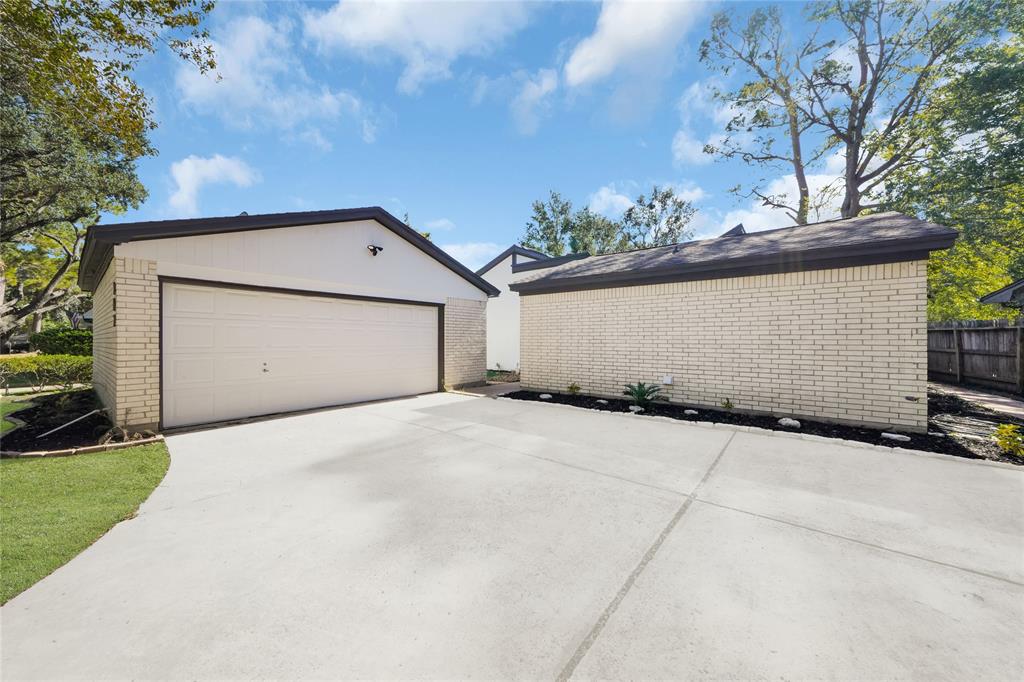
573 388
727 404
62 341
45 370
642 394
1010 439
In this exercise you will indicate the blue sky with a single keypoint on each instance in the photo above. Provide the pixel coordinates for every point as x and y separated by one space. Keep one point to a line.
459 114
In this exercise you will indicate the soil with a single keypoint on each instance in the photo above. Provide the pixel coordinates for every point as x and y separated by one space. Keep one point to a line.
49 412
947 415
500 376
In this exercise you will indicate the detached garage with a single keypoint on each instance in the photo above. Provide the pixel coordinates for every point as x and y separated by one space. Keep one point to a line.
207 320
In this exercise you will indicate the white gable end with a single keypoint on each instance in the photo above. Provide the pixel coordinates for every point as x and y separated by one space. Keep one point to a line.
331 257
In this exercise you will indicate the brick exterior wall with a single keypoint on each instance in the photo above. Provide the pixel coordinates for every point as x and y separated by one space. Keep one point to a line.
104 340
846 345
465 342
126 343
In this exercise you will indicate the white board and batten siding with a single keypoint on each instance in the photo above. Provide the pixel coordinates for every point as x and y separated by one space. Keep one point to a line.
327 258
232 353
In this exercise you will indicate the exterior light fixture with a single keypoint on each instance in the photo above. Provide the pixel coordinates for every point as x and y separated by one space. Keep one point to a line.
374 250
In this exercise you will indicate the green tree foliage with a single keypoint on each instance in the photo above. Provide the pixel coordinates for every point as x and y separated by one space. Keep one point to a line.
75 58
971 177
73 124
54 187
658 220
959 276
556 229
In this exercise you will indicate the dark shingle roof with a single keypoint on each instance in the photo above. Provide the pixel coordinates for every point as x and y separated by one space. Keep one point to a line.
879 238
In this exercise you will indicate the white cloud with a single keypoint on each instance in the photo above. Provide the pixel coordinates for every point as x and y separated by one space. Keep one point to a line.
532 101
441 224
260 83
192 173
609 202
632 36
697 105
473 254
758 217
427 36
688 150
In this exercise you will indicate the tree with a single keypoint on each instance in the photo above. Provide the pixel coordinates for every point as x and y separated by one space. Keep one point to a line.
656 221
854 87
75 58
959 276
73 124
971 176
54 188
550 224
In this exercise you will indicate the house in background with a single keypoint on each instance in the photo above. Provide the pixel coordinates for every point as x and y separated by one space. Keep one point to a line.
1010 296
503 312
213 319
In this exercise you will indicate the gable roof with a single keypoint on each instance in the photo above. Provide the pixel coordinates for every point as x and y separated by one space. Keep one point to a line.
514 250
1011 293
100 239
879 238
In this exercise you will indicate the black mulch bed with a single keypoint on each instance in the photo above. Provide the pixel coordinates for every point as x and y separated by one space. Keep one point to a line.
49 412
947 414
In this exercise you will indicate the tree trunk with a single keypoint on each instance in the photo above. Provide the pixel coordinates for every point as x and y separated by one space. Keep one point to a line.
851 194
803 208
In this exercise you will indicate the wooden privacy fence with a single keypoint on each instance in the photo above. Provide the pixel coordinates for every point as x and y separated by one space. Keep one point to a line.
983 352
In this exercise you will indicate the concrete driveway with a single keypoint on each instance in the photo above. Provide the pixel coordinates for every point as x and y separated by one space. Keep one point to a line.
449 536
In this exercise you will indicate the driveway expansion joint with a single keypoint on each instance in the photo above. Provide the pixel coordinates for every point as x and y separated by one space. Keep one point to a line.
863 543
609 611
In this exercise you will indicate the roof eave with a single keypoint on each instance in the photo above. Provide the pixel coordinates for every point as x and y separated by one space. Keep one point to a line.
884 252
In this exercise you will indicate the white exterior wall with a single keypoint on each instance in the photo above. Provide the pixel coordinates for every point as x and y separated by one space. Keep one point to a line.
503 317
331 258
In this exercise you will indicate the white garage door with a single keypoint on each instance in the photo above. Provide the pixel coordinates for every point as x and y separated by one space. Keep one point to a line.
231 353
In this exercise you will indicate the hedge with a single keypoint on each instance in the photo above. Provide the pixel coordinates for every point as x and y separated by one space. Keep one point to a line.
62 341
45 370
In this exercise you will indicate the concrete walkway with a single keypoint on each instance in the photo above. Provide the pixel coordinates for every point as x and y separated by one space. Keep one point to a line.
449 536
993 401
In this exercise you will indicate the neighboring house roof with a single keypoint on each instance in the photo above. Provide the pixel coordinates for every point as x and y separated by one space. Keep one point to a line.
1011 294
879 238
100 239
514 250
735 232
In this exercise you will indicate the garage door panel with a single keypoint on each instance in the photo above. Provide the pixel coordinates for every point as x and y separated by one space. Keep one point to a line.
192 300
239 304
193 336
192 370
235 337
317 352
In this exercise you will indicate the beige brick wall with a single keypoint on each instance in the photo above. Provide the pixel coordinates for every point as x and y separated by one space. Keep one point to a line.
126 342
465 342
104 339
845 344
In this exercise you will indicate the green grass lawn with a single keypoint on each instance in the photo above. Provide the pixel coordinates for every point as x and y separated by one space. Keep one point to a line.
10 405
52 509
